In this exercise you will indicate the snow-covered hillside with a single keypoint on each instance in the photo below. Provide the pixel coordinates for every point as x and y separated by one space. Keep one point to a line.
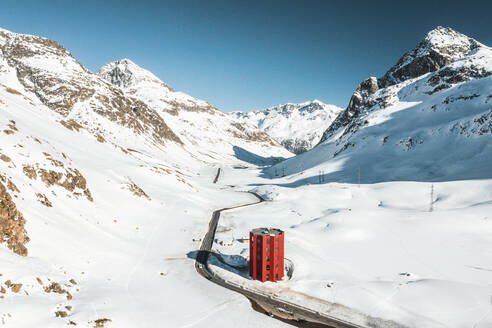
380 249
100 199
298 127
205 131
419 122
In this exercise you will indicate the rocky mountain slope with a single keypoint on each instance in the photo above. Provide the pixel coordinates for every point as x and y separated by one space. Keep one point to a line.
428 118
298 127
205 131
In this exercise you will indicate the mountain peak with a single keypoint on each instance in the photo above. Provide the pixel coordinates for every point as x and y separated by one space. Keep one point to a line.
440 47
441 38
124 73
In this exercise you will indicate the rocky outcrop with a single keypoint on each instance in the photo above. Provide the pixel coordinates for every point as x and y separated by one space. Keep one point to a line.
358 100
12 223
124 74
440 47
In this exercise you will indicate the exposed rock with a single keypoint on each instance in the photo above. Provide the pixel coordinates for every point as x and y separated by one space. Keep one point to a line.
12 223
70 179
5 158
55 287
30 171
101 322
440 47
448 76
16 288
250 135
71 125
10 185
136 190
44 200
100 138
366 88
13 91
61 314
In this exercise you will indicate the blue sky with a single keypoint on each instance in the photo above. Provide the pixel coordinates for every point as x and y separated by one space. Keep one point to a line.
243 55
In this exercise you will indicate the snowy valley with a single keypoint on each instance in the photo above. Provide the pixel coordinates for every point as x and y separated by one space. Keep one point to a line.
106 193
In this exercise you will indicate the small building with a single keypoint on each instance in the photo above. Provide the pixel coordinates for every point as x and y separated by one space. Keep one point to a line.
266 254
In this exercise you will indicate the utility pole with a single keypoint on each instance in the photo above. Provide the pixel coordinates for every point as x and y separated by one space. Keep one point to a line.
431 205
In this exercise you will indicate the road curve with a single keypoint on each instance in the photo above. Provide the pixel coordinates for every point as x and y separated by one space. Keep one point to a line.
283 310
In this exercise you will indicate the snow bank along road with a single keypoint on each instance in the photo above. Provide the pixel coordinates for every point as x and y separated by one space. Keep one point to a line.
299 315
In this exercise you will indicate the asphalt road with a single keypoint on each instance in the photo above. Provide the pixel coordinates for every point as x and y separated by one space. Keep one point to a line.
282 310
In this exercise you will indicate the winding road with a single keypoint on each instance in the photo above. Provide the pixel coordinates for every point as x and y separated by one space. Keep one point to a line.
286 311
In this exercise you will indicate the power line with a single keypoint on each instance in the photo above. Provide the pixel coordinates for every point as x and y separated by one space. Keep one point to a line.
431 205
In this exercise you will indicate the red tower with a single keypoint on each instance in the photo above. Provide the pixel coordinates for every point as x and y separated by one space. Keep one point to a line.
266 254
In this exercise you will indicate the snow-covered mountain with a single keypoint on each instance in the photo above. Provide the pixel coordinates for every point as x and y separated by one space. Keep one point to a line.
99 192
204 130
297 127
428 118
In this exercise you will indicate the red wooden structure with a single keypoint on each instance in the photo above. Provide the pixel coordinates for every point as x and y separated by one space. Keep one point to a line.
266 254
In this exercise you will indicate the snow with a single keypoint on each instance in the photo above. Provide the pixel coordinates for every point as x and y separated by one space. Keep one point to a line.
298 127
417 135
128 254
378 247
206 132
408 245
116 247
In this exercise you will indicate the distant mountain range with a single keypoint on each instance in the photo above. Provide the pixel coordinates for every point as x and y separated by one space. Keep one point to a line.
297 127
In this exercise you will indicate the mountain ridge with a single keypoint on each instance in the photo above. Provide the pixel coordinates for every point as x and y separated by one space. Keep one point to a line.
298 127
404 130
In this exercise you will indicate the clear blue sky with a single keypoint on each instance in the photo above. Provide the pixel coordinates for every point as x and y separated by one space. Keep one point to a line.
243 55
